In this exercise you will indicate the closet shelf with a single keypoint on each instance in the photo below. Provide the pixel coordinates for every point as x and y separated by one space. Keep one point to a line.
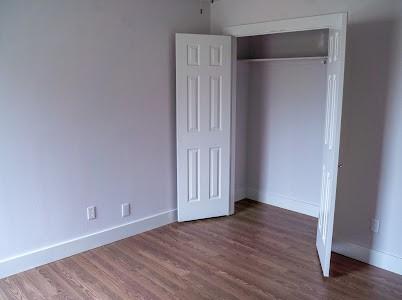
284 58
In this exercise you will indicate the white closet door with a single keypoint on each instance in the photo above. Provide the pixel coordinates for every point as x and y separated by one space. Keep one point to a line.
203 110
335 69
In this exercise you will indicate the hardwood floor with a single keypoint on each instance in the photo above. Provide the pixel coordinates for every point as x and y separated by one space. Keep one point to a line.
262 252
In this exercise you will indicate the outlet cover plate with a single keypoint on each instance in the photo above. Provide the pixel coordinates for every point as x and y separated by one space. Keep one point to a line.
91 213
125 210
375 225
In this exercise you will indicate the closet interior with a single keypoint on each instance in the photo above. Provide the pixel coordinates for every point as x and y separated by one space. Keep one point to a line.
280 118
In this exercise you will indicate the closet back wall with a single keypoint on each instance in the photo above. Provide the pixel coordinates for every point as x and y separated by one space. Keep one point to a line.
285 125
87 115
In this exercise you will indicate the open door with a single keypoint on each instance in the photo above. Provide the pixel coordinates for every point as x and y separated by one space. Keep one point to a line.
203 111
335 70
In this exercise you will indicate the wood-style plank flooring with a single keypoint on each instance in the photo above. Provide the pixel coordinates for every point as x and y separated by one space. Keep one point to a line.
262 252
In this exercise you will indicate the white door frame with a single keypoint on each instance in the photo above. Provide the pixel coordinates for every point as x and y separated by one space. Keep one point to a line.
336 21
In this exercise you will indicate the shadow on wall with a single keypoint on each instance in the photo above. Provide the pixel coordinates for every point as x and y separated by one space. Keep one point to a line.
257 133
366 97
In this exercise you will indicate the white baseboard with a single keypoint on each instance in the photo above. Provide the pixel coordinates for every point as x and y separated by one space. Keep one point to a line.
376 258
64 249
283 202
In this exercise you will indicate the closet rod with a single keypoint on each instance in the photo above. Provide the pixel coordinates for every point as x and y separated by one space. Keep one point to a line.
323 58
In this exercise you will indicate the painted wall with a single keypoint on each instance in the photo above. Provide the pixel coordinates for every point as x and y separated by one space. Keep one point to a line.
87 114
370 181
242 126
280 120
286 109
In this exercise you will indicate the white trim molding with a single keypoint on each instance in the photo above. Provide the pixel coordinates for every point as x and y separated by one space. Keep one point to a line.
376 258
38 257
288 25
285 202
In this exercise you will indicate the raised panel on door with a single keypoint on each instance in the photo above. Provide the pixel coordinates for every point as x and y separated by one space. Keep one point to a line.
216 102
193 103
216 55
203 111
215 173
193 174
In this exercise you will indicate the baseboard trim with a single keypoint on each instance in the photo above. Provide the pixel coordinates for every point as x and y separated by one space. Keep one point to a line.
376 258
68 248
283 202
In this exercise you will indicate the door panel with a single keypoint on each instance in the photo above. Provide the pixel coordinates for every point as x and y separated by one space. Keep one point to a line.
193 103
203 112
333 114
216 102
193 174
215 172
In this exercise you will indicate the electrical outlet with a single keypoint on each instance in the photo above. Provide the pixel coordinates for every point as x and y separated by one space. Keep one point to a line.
91 212
125 210
375 225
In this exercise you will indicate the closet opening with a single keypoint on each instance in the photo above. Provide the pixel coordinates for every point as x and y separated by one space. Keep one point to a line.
281 93
287 92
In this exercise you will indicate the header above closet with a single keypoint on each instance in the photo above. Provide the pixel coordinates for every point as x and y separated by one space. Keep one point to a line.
312 44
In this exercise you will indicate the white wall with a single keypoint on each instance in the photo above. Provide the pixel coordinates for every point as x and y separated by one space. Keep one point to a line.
280 120
370 182
242 124
285 128
87 114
